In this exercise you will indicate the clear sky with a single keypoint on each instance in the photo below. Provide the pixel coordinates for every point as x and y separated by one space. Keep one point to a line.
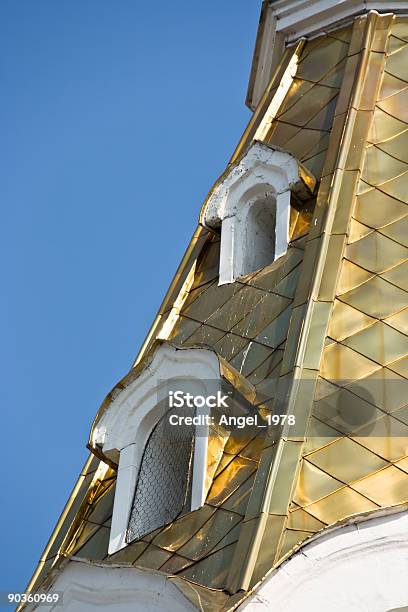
116 118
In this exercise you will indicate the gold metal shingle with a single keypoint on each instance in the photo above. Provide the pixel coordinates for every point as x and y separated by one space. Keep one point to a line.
346 460
380 167
346 321
377 297
398 231
387 487
313 484
397 64
376 253
339 504
384 127
390 86
398 276
376 209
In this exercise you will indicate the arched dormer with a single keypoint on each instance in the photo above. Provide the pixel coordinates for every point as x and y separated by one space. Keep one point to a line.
251 207
163 470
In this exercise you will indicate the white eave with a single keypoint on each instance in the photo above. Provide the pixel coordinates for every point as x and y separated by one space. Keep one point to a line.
285 21
297 18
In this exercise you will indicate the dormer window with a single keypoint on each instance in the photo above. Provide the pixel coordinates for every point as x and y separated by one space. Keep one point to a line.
256 221
251 207
164 470
164 475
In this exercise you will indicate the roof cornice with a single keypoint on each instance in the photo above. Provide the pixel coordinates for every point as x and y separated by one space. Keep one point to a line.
284 22
296 18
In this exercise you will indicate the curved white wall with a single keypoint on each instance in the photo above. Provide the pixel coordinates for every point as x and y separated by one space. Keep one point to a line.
87 587
358 568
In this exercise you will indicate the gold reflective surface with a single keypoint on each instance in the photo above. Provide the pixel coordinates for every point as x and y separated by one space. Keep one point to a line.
397 187
346 460
376 209
230 479
396 147
397 63
377 297
341 363
319 61
380 342
351 277
152 557
339 504
313 484
384 127
357 231
206 538
400 366
391 84
380 167
390 486
376 253
398 276
346 321
399 321
302 520
398 231
175 535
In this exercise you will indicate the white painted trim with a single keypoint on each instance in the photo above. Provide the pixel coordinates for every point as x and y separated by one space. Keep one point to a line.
282 223
297 18
129 463
135 409
263 57
124 428
198 490
227 250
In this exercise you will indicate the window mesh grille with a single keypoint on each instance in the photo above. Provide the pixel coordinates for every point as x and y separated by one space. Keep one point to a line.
164 474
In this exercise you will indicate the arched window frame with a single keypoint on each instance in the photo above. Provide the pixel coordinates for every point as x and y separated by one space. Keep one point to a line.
263 173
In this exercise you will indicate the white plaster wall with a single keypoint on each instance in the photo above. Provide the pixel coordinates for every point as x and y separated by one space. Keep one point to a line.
87 587
358 568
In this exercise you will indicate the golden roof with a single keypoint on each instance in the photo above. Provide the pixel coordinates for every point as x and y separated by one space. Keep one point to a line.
325 323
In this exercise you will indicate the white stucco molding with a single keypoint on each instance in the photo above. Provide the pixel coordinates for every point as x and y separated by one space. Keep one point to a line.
131 415
264 174
297 18
86 586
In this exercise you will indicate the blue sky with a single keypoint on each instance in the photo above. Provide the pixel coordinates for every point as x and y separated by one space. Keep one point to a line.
116 118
